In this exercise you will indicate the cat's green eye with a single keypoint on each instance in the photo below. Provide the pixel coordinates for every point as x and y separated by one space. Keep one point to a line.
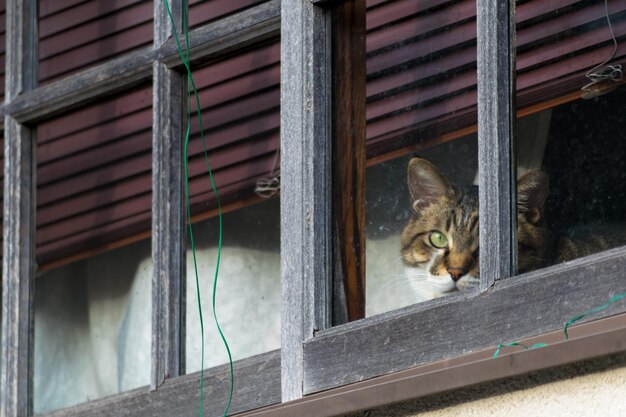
437 239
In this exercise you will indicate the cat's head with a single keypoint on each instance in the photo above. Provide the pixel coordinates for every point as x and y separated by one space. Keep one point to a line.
440 242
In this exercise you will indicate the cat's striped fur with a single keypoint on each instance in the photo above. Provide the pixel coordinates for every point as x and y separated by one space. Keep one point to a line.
441 208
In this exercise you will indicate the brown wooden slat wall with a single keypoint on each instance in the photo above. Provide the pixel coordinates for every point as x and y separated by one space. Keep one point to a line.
240 100
94 175
94 164
422 61
75 34
204 11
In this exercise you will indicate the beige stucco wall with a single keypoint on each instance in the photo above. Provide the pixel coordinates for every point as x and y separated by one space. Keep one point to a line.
588 389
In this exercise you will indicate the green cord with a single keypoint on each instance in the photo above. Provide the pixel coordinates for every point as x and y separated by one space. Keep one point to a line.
567 325
592 311
185 59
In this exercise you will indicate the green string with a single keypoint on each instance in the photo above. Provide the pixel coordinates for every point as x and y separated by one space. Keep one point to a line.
592 311
501 345
185 59
567 325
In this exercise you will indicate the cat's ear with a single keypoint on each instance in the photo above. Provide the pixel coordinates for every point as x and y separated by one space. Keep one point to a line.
532 190
426 184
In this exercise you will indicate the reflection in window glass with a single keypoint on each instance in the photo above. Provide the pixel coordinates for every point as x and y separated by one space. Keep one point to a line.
93 328
421 91
248 292
580 146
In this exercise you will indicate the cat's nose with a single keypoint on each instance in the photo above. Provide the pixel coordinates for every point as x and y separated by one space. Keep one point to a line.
457 273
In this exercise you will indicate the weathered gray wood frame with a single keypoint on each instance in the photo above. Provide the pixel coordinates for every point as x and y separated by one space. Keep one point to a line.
169 393
168 225
16 362
314 356
529 305
496 156
305 184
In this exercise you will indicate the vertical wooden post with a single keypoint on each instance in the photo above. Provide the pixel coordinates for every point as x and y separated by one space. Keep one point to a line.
496 126
168 247
305 184
348 118
18 258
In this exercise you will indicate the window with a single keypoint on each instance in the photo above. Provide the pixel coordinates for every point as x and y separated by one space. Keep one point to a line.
97 108
348 130
499 309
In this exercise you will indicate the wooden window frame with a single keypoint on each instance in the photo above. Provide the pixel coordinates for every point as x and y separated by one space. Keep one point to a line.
170 392
320 358
314 356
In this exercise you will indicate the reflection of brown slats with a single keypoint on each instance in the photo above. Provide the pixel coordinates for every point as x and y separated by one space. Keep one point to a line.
564 23
93 158
244 63
456 36
92 199
96 178
94 30
83 56
95 136
551 51
536 8
418 116
90 116
48 7
406 99
238 110
100 215
253 169
93 238
391 11
233 155
440 101
2 45
79 14
238 87
216 138
94 175
421 25
76 35
457 59
208 10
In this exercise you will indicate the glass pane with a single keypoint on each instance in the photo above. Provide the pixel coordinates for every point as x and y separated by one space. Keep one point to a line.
93 328
414 232
93 312
580 149
570 147
76 35
240 100
248 290
421 100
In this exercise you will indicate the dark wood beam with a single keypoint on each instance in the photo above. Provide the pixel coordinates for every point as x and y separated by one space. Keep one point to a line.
348 111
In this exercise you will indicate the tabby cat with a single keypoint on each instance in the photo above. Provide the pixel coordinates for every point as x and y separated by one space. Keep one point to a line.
440 242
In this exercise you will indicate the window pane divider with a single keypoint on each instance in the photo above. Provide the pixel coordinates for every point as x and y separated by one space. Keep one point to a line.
208 42
496 122
258 386
18 258
305 188
168 224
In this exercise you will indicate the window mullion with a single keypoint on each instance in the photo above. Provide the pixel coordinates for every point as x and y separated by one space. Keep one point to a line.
496 158
168 228
16 363
305 187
